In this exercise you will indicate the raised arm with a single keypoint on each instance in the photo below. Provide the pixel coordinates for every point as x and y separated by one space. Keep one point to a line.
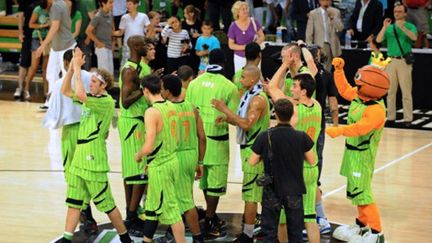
344 88
78 61
66 88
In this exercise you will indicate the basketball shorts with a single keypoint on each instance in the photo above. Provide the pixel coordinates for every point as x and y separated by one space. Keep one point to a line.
69 140
251 192
188 161
214 180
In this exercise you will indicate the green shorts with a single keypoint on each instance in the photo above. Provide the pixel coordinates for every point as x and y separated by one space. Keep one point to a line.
214 180
310 175
161 202
69 140
132 135
251 192
79 190
188 161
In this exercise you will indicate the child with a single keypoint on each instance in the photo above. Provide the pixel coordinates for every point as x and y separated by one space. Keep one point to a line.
205 43
178 44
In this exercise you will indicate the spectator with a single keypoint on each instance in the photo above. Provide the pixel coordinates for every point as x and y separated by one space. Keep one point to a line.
76 17
399 70
154 32
39 22
88 11
322 29
25 9
419 16
366 21
217 9
119 9
277 9
133 23
192 24
300 12
178 44
283 150
205 44
100 32
60 37
242 31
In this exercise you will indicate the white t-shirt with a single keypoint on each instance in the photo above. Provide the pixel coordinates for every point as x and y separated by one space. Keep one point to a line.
119 7
135 26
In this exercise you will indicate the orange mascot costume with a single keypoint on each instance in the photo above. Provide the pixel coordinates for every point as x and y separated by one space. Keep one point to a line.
366 119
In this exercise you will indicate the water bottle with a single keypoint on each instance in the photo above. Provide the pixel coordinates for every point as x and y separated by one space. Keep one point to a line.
1 58
347 40
279 35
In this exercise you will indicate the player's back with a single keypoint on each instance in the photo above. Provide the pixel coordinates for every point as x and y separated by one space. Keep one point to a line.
188 138
203 90
165 145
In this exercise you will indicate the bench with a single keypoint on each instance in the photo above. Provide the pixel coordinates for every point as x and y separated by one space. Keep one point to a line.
9 41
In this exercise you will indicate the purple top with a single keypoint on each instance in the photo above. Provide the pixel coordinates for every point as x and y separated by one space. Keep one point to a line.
242 38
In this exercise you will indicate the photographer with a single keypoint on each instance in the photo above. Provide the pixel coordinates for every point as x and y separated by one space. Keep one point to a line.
178 44
283 150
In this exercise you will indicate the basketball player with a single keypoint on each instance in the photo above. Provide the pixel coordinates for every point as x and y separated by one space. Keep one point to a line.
206 87
308 120
63 113
253 117
131 128
190 152
161 122
87 175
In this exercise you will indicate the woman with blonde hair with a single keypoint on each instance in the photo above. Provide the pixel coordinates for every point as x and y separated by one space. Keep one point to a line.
242 31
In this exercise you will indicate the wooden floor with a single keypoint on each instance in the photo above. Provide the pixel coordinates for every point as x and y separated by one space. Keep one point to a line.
32 190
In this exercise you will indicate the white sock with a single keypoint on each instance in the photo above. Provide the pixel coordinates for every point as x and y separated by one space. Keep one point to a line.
248 230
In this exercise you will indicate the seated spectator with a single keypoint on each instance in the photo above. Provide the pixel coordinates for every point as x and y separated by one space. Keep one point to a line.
205 44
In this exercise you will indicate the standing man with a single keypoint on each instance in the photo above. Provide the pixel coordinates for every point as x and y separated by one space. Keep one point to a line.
87 177
365 22
323 27
253 57
100 32
399 37
252 118
161 122
61 39
132 131
190 152
201 91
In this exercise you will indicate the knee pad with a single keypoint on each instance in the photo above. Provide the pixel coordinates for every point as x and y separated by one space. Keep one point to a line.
150 227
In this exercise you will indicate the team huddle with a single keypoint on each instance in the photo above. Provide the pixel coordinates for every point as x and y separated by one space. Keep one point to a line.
174 130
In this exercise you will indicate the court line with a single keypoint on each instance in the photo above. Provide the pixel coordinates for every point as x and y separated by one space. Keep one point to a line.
382 167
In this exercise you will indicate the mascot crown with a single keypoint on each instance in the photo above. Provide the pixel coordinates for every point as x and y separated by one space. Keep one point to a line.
379 61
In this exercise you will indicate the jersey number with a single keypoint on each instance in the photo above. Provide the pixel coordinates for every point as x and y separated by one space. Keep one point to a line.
311 132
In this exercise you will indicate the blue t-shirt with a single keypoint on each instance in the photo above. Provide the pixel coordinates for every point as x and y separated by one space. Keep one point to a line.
212 42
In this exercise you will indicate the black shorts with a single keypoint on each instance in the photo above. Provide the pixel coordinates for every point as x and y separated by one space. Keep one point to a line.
26 50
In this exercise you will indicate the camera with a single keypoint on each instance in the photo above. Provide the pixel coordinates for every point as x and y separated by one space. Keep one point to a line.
265 180
205 47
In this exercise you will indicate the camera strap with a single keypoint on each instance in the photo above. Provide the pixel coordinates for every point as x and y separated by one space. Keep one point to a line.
270 152
397 39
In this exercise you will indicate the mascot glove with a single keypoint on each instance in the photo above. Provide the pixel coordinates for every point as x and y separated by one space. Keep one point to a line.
338 63
334 131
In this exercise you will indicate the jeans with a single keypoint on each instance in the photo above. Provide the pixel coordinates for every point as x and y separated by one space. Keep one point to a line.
271 207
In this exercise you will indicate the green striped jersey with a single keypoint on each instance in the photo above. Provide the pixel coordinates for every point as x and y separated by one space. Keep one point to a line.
138 108
200 93
91 151
309 121
188 138
355 113
289 80
166 141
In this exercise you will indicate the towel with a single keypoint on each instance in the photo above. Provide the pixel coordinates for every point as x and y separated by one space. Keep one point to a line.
243 108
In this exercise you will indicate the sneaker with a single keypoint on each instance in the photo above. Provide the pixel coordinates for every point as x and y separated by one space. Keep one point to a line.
44 107
243 238
213 231
323 225
27 96
17 93
89 227
345 232
219 222
367 237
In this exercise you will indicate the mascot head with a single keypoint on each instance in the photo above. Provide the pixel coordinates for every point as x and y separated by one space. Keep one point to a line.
372 81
